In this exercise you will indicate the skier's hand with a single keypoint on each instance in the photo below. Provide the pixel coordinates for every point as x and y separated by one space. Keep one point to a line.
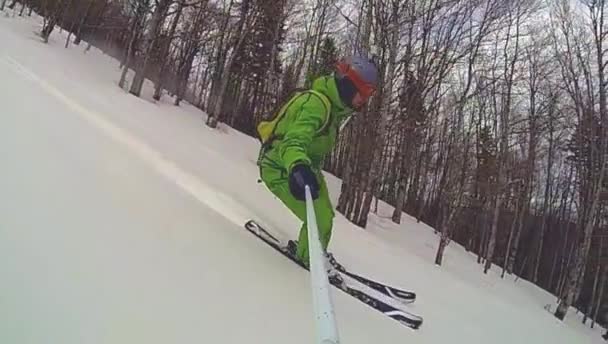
300 176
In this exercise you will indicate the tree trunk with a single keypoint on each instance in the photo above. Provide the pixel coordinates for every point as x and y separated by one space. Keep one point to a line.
567 260
407 142
505 114
48 29
216 111
483 237
307 42
445 232
226 72
202 87
545 200
165 52
443 243
50 20
508 266
521 215
494 230
577 271
85 18
184 75
600 295
589 311
134 30
552 274
271 85
151 37
80 24
383 110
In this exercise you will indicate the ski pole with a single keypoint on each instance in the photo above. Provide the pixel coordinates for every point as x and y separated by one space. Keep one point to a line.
327 330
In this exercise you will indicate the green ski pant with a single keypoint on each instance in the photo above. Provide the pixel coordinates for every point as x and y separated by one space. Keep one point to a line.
276 179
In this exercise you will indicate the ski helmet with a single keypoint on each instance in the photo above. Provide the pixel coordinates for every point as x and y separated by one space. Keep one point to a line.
356 74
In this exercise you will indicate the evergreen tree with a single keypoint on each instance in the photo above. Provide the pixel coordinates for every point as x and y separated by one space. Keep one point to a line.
328 57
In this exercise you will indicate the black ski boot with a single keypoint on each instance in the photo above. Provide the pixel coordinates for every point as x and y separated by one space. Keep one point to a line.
333 271
332 266
292 248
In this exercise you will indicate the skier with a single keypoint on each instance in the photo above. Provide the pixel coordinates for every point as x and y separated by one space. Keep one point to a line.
303 131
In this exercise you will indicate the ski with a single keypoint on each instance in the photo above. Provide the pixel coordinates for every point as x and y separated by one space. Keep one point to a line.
401 295
405 318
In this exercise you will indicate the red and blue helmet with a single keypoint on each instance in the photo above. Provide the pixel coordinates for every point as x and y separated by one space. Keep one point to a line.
356 80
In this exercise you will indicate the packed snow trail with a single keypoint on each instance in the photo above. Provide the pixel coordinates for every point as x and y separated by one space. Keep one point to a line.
118 225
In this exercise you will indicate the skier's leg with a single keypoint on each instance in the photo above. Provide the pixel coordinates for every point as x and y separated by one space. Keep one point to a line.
277 181
325 216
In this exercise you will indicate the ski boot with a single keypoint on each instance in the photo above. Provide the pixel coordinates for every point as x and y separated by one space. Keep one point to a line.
331 265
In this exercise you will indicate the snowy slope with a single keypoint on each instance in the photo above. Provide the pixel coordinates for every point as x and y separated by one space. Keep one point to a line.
120 222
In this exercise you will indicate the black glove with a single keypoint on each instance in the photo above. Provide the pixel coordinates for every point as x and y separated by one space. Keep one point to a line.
300 176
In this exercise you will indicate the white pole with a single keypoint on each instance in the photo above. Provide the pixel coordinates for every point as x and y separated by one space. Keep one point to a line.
327 331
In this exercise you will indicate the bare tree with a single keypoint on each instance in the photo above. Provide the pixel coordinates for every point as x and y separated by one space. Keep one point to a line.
188 48
451 192
220 83
139 9
149 44
511 54
164 53
83 19
52 18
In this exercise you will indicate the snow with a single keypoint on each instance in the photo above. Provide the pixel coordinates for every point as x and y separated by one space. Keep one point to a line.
121 222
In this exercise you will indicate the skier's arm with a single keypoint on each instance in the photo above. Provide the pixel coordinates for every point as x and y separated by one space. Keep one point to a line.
308 120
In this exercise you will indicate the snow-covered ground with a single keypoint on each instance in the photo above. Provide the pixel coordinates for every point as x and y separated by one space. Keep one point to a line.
121 222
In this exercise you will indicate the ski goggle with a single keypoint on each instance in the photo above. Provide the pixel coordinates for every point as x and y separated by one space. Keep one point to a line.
365 88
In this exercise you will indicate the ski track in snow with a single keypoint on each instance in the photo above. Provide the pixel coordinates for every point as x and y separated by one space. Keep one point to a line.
212 198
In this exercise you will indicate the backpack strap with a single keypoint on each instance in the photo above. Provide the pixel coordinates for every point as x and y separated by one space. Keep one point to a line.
327 106
267 128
